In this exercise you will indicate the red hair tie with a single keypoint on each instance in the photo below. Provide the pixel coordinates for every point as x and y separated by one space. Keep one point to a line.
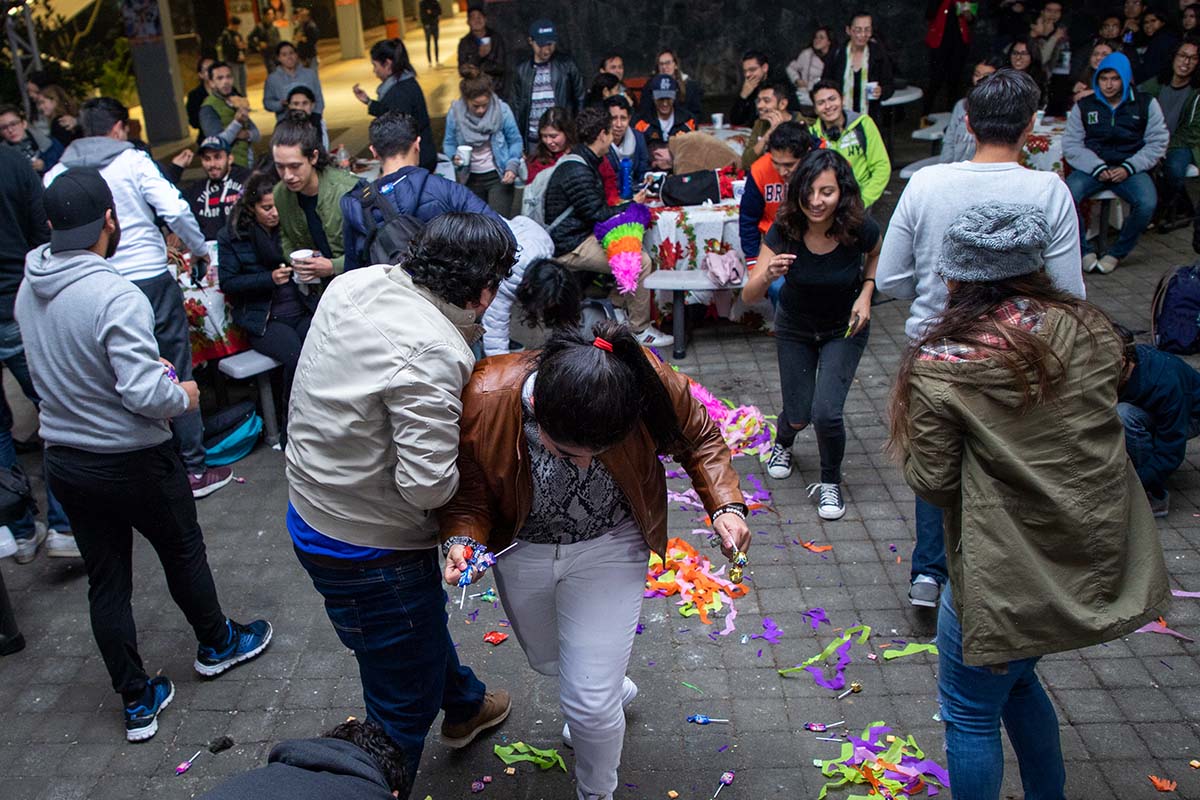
603 344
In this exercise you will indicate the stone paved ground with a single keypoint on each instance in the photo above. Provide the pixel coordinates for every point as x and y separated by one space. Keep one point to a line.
1127 708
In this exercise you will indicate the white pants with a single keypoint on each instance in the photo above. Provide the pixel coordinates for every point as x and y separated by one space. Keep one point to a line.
575 609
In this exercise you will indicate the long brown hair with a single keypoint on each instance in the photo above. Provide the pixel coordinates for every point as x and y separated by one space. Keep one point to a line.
969 320
558 118
848 217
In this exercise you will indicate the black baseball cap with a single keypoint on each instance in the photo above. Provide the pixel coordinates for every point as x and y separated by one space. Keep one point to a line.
75 204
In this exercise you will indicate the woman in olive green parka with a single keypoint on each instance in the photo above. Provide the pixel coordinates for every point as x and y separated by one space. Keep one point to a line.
1004 415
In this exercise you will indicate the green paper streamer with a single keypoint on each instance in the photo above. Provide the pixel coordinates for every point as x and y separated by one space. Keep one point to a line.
863 631
520 751
912 648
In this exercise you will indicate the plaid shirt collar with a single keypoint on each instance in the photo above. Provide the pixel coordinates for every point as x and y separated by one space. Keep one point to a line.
1017 313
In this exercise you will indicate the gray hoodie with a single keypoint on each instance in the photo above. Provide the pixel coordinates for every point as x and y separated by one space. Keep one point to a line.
89 339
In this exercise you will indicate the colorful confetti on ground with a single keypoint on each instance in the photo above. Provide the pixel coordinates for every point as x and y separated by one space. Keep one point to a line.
690 575
890 765
840 647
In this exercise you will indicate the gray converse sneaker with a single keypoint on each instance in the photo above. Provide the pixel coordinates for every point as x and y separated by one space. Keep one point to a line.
829 502
779 465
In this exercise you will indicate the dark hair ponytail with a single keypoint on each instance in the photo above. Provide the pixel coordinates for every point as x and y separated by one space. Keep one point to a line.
550 296
587 397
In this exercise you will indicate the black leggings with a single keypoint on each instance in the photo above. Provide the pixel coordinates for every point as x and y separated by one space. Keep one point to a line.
282 341
815 375
431 32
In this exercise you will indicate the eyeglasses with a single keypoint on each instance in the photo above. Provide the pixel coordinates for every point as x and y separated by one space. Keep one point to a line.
8 126
1186 57
1020 53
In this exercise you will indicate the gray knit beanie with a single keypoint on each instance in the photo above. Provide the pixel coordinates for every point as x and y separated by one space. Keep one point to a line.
994 242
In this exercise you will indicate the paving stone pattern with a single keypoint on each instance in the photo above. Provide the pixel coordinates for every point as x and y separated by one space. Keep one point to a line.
1127 708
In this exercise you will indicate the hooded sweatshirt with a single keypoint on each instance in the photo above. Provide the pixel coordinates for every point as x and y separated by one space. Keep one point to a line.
89 339
309 769
1130 133
860 143
140 193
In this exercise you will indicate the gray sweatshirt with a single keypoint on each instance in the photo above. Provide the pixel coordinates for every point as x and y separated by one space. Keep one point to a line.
89 339
935 196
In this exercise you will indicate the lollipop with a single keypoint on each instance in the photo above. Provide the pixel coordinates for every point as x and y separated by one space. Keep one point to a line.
478 561
701 719
726 779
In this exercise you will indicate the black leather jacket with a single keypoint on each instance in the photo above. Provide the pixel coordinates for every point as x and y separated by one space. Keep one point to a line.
580 188
564 75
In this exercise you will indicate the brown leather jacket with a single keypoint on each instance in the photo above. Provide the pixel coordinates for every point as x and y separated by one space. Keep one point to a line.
495 492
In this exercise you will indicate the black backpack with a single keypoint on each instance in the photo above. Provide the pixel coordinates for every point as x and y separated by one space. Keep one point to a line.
387 241
16 495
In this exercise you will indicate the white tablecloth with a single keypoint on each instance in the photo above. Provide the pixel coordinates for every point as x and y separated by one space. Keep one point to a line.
1043 148
211 332
679 237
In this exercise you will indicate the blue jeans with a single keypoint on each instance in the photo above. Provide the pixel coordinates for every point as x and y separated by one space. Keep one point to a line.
929 553
774 290
1137 190
1141 439
1175 167
973 702
394 619
12 356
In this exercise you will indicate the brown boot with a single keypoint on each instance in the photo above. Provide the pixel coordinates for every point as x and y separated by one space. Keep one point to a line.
494 710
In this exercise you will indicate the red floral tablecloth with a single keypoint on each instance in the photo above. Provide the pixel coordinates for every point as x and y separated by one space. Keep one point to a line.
212 334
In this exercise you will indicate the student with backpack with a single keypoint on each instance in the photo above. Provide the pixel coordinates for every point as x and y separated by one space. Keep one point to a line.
856 137
402 200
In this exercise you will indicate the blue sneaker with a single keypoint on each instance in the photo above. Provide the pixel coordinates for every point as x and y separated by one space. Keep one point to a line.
244 643
141 720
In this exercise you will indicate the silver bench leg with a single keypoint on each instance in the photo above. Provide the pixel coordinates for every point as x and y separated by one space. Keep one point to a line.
267 399
678 328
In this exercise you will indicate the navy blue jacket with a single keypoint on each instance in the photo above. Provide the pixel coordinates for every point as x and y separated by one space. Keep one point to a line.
245 260
640 159
1165 387
25 223
437 196
406 96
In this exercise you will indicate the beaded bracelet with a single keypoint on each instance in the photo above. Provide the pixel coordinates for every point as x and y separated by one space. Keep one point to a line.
737 509
465 541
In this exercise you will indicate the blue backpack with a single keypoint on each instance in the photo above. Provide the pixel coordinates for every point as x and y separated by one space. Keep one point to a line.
1175 311
231 433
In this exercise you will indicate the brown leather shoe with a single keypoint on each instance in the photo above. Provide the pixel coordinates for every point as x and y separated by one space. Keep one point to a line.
494 710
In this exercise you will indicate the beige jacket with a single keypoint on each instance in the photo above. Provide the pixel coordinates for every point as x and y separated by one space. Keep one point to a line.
373 419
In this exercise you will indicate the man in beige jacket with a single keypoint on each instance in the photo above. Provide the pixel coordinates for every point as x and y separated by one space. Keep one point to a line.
372 448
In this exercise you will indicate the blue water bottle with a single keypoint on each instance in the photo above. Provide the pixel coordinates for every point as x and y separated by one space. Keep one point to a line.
626 178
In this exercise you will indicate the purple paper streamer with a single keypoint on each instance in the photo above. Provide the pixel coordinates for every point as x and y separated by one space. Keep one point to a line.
771 632
815 617
473 615
838 681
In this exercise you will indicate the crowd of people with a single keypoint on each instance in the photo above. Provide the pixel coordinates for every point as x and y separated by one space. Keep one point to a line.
420 439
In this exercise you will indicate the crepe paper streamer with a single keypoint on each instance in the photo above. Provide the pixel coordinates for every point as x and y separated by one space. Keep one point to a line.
473 615
621 236
771 632
814 547
891 766
1160 626
1162 784
1181 593
494 637
841 647
744 428
519 751
815 617
693 688
690 575
912 648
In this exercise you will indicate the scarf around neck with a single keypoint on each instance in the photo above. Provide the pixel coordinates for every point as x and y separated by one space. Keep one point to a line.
473 130
627 146
858 103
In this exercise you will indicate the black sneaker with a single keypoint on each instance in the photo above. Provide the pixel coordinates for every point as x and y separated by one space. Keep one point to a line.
244 643
141 719
779 465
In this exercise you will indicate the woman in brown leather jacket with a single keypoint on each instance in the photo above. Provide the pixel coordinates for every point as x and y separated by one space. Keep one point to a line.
559 450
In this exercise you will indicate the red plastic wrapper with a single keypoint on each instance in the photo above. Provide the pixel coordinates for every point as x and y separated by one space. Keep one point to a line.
494 637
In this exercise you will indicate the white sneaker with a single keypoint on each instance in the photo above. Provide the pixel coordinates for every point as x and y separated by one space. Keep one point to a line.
8 545
779 465
653 337
1107 264
27 548
61 545
829 503
629 691
1089 262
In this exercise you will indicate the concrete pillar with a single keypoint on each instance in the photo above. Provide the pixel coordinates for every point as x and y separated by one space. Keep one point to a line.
350 29
156 69
394 9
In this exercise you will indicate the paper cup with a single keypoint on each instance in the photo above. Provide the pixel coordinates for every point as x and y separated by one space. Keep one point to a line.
463 151
718 120
485 40
300 255
739 188
873 90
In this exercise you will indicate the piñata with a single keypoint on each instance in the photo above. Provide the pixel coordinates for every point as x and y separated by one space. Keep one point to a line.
744 428
621 237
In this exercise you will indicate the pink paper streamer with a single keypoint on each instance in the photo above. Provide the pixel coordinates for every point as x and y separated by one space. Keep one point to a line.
1181 593
1158 627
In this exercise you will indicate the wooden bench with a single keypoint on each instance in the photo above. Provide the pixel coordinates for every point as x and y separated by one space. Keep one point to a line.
253 364
911 169
679 283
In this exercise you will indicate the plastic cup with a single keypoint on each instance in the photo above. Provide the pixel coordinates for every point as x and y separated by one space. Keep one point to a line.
718 120
301 255
873 92
463 151
484 40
